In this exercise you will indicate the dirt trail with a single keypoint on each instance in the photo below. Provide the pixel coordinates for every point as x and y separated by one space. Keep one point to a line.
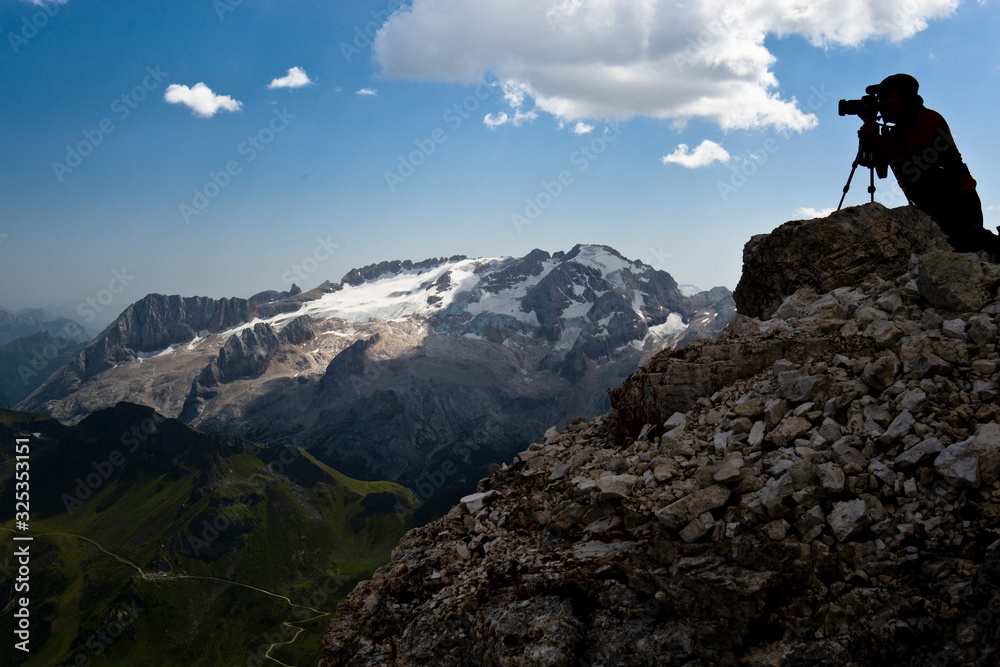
155 576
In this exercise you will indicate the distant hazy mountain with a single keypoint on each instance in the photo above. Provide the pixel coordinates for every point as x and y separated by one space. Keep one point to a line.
415 372
33 345
26 362
32 321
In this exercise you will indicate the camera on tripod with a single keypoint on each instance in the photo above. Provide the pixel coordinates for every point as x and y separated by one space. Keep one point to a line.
867 110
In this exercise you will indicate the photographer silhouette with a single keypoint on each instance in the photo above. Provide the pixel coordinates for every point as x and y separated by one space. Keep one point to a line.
919 148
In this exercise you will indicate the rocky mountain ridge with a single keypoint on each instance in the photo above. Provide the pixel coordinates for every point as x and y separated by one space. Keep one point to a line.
819 486
382 373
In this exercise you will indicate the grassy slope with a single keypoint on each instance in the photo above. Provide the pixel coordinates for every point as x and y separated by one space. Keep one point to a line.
306 534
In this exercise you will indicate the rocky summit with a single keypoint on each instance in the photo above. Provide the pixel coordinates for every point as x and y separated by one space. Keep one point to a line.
818 486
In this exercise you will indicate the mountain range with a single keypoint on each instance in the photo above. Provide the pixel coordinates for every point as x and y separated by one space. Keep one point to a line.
415 372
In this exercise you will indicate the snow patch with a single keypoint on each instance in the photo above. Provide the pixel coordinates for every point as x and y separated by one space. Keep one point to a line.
638 301
609 265
576 311
568 338
149 355
669 329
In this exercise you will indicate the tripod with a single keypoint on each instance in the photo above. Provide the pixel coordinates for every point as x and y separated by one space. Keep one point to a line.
865 157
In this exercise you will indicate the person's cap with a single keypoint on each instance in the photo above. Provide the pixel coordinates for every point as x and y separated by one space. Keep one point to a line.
904 83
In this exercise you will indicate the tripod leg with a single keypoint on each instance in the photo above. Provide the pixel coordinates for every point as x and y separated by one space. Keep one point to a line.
854 167
847 187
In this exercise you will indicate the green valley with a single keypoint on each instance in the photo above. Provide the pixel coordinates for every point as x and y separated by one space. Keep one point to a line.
155 543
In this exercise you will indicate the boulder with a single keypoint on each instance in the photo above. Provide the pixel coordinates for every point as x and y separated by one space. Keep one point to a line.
951 281
841 249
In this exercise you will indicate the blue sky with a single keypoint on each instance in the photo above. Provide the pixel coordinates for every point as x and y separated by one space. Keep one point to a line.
672 132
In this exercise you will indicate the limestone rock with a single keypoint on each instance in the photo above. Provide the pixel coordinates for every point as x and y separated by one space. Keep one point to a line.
799 387
690 507
951 281
985 444
475 501
847 518
731 469
841 249
789 429
958 465
617 485
881 373
919 452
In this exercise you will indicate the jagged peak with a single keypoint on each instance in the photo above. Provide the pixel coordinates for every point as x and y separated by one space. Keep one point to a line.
371 272
269 296
593 250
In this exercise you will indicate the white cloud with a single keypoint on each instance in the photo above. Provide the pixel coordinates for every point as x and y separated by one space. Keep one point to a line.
582 128
705 154
296 78
614 59
200 99
514 94
494 121
367 91
808 212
